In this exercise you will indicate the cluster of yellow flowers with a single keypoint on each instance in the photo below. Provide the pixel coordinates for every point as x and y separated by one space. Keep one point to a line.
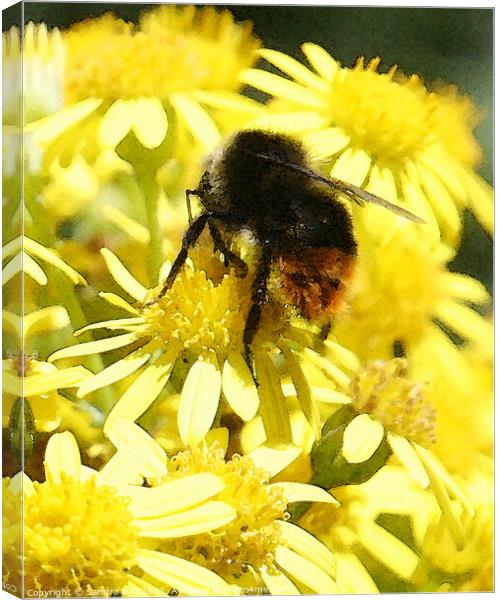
150 458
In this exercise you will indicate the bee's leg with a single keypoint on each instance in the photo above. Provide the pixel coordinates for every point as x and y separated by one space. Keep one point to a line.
229 257
259 291
192 234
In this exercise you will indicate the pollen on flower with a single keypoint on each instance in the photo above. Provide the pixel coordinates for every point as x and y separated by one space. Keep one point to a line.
77 536
383 390
172 49
197 314
386 119
250 539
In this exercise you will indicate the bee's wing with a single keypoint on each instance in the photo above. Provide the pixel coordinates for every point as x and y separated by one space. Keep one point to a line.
359 195
353 192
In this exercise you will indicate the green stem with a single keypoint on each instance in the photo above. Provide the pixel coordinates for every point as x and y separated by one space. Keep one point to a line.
151 192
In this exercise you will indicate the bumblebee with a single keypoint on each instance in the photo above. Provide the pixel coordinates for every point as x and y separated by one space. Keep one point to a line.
261 182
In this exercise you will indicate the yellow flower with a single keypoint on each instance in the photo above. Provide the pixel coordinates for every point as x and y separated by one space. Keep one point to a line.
143 101
192 339
383 131
258 549
402 289
85 532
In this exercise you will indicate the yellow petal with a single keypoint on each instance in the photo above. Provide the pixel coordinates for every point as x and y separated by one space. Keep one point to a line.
274 460
12 247
289 122
319 59
118 301
352 166
206 517
122 276
183 575
113 324
303 389
352 576
116 123
53 258
480 199
131 464
296 70
239 387
38 384
150 122
342 355
129 226
282 88
138 588
140 395
464 320
104 345
465 288
116 371
409 458
389 549
328 368
47 129
198 121
308 546
12 323
273 407
303 492
305 571
325 142
173 496
199 401
62 456
45 319
362 437
278 583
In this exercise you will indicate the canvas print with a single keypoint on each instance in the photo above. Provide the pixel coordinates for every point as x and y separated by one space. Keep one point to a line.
247 311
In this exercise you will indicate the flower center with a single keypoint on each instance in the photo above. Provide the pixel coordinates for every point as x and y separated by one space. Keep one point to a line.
77 536
382 389
388 120
172 49
250 539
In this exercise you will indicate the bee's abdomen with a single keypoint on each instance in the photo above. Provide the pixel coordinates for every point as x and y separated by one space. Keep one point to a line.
316 281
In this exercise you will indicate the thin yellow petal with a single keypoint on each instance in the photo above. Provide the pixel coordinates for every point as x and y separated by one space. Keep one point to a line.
12 323
113 324
480 199
296 70
62 456
122 276
409 458
46 319
150 122
274 460
362 437
183 575
325 142
198 121
131 227
342 355
139 588
465 288
289 122
308 546
53 258
464 320
199 401
319 59
328 368
303 492
206 517
282 88
278 583
119 370
305 571
116 123
105 345
239 387
273 407
12 247
352 166
140 395
130 465
352 576
173 496
389 549
38 384
118 301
